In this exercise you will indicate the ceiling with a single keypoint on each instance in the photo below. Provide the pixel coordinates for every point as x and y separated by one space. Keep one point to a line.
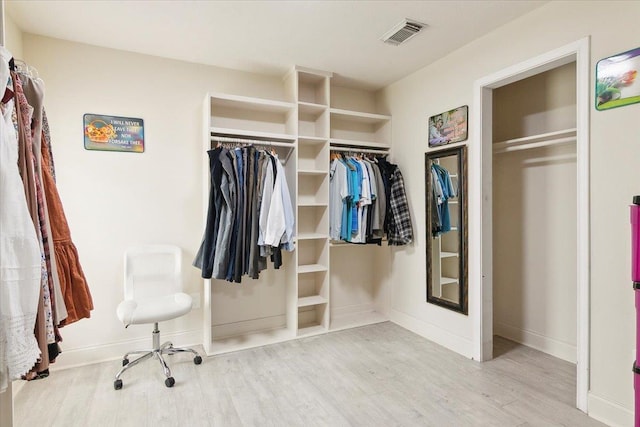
271 36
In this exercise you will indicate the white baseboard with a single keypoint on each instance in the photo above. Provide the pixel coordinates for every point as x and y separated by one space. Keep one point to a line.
244 327
460 345
540 342
351 309
608 412
112 351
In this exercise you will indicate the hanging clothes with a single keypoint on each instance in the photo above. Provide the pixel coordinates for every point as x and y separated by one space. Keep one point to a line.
20 263
367 201
443 190
74 286
62 294
398 220
250 216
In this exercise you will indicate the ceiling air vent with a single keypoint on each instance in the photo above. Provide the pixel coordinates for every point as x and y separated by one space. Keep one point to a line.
403 32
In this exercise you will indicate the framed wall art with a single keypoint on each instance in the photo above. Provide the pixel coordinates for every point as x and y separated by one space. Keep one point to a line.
617 82
448 127
113 133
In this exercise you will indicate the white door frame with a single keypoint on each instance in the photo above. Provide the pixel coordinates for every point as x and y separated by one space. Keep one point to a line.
480 203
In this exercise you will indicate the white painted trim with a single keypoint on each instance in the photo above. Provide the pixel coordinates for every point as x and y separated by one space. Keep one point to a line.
433 333
113 351
559 349
348 310
480 188
611 413
583 104
245 327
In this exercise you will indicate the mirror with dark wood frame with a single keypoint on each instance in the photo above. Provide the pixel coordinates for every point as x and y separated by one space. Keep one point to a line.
446 217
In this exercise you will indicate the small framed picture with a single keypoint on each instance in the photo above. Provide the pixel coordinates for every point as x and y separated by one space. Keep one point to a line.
448 127
113 133
617 80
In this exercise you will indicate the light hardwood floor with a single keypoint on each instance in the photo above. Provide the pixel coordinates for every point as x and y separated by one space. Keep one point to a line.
379 375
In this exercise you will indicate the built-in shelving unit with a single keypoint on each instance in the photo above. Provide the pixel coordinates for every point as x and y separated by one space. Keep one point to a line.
230 323
297 300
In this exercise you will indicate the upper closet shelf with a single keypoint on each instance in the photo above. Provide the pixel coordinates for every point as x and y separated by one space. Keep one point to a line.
346 144
248 103
564 136
357 116
311 108
251 134
311 140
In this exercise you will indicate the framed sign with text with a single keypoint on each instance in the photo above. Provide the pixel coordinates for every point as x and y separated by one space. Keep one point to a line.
113 133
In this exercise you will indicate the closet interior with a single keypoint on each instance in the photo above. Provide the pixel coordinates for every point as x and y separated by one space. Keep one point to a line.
535 211
322 285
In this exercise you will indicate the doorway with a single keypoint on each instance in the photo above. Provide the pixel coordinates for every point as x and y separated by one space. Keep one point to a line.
481 274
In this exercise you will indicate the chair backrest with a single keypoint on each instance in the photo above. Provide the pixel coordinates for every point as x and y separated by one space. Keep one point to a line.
152 271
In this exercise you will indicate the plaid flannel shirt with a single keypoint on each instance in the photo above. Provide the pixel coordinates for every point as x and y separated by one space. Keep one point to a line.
400 229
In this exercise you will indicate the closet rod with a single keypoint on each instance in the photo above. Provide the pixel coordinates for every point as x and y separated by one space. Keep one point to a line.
382 151
257 142
509 148
250 141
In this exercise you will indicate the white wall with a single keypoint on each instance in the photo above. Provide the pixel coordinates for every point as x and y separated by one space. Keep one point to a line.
13 36
114 200
448 83
534 216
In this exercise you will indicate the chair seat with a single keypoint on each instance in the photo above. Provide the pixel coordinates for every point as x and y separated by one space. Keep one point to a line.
154 309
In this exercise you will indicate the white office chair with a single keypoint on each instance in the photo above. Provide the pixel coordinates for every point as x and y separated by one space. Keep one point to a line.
153 293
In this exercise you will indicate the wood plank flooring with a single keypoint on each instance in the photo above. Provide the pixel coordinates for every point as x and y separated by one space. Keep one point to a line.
379 375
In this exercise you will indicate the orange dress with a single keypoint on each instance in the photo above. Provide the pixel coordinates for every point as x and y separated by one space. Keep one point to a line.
77 296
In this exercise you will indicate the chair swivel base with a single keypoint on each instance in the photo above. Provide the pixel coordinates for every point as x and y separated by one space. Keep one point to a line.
157 352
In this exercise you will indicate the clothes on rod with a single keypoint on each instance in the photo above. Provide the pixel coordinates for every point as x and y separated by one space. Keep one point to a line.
20 263
250 216
443 190
62 294
234 142
367 201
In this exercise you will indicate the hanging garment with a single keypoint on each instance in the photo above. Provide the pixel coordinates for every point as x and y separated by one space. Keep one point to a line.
206 252
20 263
280 225
338 195
443 190
75 290
34 93
399 228
250 215
35 199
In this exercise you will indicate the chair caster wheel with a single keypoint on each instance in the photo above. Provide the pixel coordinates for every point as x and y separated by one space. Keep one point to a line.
197 360
169 382
117 384
125 362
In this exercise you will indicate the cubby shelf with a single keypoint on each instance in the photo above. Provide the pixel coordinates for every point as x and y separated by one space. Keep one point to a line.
311 108
311 140
311 268
311 172
312 204
312 300
358 116
312 236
